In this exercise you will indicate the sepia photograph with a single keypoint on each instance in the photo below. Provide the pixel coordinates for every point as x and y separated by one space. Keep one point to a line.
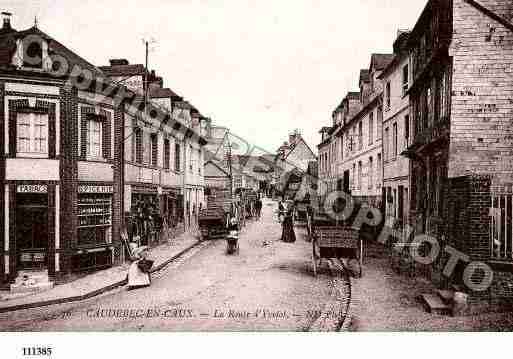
255 166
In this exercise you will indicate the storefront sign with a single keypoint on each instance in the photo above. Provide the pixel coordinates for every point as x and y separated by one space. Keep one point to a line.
94 189
32 188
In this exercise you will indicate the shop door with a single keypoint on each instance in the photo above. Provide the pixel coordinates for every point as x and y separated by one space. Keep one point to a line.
32 233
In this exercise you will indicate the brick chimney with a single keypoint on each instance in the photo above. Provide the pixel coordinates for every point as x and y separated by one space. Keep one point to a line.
6 17
118 62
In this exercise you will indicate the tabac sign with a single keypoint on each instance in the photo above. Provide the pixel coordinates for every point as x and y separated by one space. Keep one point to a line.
32 188
94 189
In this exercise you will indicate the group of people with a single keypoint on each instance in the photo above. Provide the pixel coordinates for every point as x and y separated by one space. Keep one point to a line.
286 217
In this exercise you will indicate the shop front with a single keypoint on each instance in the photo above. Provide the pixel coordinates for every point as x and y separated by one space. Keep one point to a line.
144 220
29 223
94 228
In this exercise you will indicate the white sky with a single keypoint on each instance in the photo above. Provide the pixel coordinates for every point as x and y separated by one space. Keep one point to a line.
261 68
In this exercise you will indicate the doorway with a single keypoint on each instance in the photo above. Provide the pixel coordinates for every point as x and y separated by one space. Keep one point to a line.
32 231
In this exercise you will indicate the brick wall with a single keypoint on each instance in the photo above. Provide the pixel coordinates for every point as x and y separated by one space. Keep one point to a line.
482 90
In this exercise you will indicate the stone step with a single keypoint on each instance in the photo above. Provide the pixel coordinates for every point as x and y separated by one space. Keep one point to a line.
446 295
434 304
38 287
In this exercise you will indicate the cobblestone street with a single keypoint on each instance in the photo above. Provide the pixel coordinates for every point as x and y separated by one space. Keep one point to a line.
268 286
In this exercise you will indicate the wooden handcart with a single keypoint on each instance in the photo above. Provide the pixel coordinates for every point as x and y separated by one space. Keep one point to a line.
333 240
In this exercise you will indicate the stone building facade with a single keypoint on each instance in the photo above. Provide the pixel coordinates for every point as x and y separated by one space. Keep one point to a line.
461 149
63 131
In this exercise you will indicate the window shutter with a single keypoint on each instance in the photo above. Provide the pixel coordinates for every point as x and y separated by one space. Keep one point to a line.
83 132
12 127
154 149
106 136
177 157
138 145
51 134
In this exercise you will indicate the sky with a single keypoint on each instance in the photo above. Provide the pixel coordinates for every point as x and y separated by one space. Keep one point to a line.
261 68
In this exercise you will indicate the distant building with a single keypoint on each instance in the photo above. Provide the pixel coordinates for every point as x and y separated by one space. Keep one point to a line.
396 134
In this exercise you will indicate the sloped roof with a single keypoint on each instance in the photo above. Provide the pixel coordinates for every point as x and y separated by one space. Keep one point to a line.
123 70
157 92
8 48
353 95
380 61
364 75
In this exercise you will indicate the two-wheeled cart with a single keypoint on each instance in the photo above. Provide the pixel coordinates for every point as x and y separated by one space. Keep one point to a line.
338 241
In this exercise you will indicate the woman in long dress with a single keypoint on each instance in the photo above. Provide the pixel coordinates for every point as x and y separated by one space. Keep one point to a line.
136 277
288 234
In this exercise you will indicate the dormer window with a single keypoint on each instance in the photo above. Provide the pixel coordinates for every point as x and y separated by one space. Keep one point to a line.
34 55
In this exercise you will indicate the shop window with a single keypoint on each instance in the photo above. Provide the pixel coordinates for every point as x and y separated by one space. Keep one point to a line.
94 220
32 134
94 138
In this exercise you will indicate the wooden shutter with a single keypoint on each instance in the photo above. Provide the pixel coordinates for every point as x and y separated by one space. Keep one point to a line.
83 132
138 145
106 134
154 149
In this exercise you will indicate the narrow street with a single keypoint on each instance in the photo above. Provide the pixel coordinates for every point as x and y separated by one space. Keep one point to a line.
268 286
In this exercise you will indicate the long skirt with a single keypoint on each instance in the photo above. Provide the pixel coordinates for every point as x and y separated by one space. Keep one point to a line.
136 277
288 234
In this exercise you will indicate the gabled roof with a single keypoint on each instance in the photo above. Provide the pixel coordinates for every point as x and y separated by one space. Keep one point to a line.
8 48
380 61
216 166
301 139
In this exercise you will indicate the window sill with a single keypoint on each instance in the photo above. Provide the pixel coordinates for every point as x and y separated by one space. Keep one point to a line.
96 159
31 155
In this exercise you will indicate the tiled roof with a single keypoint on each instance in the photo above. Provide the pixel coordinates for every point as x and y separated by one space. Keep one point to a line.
353 95
380 61
123 70
8 48
364 75
163 93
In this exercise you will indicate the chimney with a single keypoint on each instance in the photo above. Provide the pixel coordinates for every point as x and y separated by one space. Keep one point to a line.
118 62
292 138
6 16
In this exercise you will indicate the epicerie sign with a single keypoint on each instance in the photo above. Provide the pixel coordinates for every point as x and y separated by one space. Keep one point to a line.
32 188
94 189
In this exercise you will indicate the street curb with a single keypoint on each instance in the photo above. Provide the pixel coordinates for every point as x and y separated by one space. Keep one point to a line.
95 292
